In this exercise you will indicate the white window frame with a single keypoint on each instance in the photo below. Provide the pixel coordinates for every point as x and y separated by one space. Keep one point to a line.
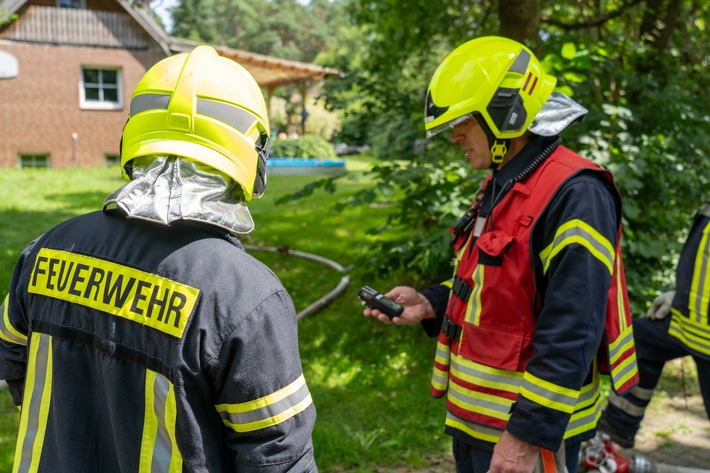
23 158
89 104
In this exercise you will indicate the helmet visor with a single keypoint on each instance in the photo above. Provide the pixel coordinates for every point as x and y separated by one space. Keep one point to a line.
448 125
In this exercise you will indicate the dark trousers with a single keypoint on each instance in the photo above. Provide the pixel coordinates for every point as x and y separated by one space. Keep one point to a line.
470 459
654 347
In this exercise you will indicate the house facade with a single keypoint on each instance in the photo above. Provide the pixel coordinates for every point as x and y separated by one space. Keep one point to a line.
77 63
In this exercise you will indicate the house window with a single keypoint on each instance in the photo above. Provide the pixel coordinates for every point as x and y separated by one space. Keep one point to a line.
101 88
112 160
34 160
72 4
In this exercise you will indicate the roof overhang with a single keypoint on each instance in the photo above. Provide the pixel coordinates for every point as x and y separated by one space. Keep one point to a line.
269 72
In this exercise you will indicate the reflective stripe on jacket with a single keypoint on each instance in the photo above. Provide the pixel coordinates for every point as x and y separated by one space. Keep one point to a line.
147 348
690 321
494 301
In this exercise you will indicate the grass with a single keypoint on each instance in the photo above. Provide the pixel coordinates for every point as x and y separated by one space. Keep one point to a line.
369 382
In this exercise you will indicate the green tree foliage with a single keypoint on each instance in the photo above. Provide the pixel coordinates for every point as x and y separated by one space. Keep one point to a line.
283 28
640 71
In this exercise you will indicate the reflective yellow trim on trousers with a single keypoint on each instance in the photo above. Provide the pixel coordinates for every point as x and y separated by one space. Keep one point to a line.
577 231
700 285
548 394
159 450
7 332
693 335
35 405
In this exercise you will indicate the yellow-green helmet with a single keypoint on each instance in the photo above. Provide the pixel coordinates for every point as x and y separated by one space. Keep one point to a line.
201 107
495 79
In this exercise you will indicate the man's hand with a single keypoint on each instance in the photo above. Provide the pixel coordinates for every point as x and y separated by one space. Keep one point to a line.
661 306
512 455
416 307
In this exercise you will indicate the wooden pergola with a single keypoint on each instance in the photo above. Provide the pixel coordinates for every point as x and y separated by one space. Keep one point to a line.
269 72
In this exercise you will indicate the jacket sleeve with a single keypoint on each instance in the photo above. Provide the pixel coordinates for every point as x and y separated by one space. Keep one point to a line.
262 395
14 334
573 254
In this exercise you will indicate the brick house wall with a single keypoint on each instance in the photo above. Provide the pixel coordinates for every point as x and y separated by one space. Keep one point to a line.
40 109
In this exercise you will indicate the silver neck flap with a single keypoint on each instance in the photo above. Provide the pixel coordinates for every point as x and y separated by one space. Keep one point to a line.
164 189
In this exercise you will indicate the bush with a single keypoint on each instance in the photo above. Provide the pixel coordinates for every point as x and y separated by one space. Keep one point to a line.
310 146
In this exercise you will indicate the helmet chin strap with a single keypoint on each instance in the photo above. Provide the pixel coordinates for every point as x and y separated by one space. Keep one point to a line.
499 147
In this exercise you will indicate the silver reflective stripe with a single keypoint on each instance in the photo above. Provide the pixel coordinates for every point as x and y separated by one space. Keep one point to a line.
499 381
586 418
163 450
271 410
34 420
625 405
586 236
552 397
645 394
520 65
620 344
459 394
7 331
229 114
473 427
143 102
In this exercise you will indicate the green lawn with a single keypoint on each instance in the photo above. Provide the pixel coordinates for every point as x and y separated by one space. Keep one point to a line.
369 382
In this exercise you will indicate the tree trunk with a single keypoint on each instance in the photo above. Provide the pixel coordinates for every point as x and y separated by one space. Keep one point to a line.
520 20
657 28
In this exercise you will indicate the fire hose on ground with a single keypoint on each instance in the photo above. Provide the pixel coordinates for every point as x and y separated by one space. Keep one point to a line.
327 298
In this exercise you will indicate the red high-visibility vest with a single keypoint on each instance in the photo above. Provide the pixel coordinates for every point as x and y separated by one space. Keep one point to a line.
483 369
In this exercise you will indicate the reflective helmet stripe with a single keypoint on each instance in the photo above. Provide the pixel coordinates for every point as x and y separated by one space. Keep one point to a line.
236 117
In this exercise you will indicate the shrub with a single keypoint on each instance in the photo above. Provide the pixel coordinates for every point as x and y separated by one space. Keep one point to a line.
310 146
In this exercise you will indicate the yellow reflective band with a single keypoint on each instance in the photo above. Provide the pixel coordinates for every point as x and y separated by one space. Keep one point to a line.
35 405
700 285
478 431
621 345
159 450
577 231
473 310
482 375
440 379
620 297
269 410
548 394
692 335
624 371
139 296
7 332
443 354
584 420
448 283
480 403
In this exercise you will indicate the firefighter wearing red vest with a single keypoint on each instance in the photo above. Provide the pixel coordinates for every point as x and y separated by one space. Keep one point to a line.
537 309
143 338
